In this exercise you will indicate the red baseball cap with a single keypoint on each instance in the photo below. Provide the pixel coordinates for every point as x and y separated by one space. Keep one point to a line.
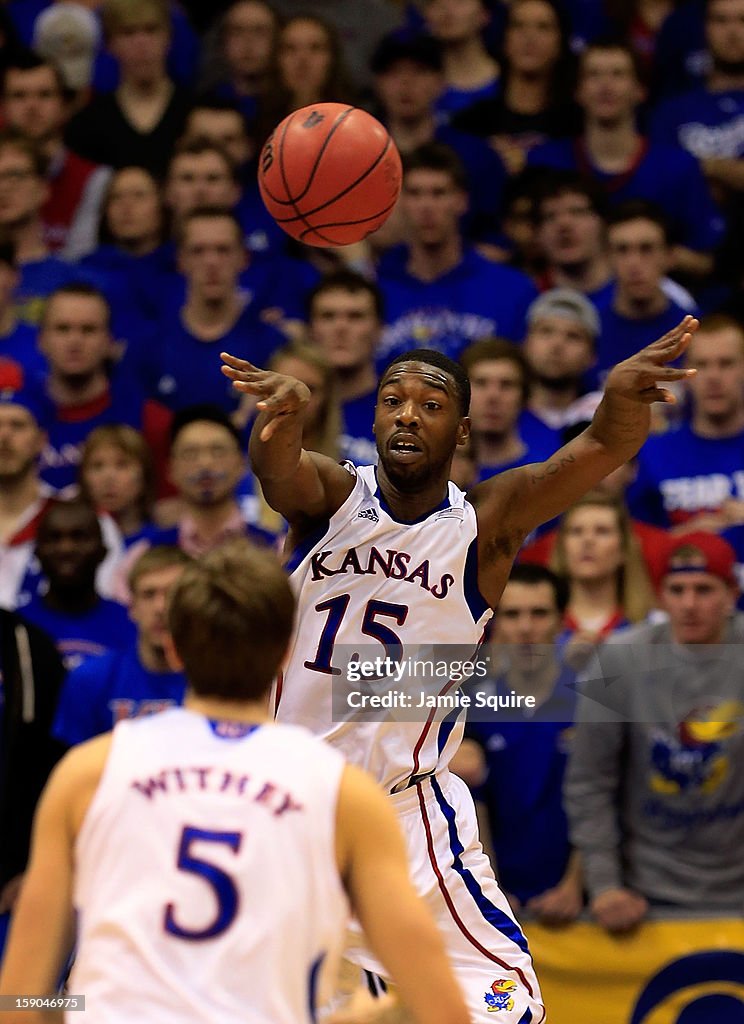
699 551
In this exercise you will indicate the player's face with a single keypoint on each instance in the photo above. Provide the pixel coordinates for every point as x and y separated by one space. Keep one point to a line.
206 463
527 622
724 30
133 206
199 179
212 257
455 20
345 327
570 231
698 605
113 479
75 335
141 49
717 388
558 349
407 90
69 546
248 38
639 257
532 40
608 88
496 396
22 191
592 543
33 102
21 443
304 57
149 607
432 205
224 128
417 424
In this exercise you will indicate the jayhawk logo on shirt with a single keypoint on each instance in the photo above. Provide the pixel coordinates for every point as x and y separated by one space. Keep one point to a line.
694 758
499 998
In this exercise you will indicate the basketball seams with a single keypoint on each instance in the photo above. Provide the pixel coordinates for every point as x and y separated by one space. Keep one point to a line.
350 223
293 202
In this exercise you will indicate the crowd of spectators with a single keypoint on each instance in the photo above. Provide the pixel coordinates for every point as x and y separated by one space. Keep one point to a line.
573 186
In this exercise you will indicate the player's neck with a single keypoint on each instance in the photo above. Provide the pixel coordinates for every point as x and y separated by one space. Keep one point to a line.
498 449
640 309
429 262
612 145
356 382
153 657
227 710
588 276
728 425
407 507
468 65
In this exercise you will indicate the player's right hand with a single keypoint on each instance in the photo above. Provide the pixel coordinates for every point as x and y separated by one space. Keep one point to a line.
279 395
619 910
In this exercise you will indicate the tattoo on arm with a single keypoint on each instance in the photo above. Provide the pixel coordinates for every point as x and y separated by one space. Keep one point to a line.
551 468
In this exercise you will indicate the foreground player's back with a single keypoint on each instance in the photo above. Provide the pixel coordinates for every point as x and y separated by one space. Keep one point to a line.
189 863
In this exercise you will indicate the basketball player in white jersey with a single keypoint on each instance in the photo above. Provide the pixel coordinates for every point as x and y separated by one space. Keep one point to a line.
212 855
398 555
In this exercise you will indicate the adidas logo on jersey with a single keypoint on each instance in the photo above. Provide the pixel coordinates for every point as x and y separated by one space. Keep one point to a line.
369 513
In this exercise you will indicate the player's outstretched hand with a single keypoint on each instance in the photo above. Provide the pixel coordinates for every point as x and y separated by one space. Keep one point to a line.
278 395
642 376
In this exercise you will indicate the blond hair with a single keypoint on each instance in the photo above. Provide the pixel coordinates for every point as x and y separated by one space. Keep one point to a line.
116 15
635 594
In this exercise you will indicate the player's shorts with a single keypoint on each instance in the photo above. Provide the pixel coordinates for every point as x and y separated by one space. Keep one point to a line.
451 872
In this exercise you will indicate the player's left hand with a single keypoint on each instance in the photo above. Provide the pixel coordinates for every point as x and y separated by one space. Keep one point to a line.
641 377
559 905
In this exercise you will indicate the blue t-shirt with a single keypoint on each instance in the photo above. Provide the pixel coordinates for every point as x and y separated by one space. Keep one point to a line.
475 299
105 627
540 440
526 759
182 370
452 100
681 58
681 474
663 174
706 124
104 690
22 348
621 337
357 440
68 428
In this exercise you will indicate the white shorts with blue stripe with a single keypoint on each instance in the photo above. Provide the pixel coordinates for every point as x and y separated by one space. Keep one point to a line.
488 950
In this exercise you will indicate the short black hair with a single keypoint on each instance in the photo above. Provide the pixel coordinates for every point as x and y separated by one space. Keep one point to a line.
563 182
345 280
435 156
640 209
531 575
204 413
433 358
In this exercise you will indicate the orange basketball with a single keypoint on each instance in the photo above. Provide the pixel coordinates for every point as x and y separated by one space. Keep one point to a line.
329 174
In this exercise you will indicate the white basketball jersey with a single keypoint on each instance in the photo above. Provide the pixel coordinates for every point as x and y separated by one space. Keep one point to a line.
206 877
368 584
